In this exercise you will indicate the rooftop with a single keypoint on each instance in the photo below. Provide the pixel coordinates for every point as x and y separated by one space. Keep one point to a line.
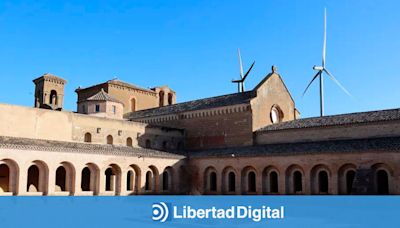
343 119
120 83
337 146
206 103
102 96
49 76
74 147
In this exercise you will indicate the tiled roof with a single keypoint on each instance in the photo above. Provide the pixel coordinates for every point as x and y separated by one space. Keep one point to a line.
206 103
344 119
102 96
117 82
50 76
391 144
74 147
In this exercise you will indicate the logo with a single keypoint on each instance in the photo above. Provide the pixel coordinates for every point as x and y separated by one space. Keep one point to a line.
160 212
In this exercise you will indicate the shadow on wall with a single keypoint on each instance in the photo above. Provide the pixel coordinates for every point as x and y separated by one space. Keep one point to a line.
162 138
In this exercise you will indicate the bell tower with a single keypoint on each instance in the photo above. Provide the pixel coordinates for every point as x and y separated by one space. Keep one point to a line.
49 92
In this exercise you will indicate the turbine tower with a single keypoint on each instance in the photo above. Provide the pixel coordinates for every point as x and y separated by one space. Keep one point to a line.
320 73
240 81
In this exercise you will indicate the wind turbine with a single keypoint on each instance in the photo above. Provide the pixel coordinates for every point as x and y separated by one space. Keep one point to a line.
240 81
322 69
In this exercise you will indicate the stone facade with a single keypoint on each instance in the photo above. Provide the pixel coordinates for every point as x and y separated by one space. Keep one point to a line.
126 140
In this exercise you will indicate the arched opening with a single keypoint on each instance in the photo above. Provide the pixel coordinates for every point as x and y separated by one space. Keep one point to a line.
88 137
110 140
133 104
129 142
349 181
382 182
33 179
231 182
148 143
161 97
90 178
133 179
129 181
276 114
170 96
4 178
297 182
61 179
149 181
273 182
213 181
251 182
53 97
113 181
165 185
85 181
323 182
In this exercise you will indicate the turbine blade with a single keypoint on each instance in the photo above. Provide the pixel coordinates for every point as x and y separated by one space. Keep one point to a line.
240 64
309 84
324 45
247 73
337 82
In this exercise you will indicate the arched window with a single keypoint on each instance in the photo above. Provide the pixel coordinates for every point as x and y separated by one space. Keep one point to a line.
251 181
109 140
53 97
61 177
4 178
88 137
276 114
161 97
349 181
273 182
297 182
129 142
170 98
85 182
382 182
149 181
231 182
129 180
165 184
133 104
148 143
213 181
323 182
33 179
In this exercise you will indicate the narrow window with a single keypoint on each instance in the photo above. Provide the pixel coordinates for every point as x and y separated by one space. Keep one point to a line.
213 181
88 137
273 182
97 108
114 109
297 182
231 182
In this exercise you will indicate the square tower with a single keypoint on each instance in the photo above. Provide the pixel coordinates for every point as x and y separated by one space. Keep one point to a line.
49 92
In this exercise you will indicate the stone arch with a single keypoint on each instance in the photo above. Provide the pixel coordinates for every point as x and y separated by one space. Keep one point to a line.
346 177
276 114
65 178
37 177
295 180
210 180
110 140
270 180
53 97
133 180
249 180
230 180
88 137
382 178
167 179
9 174
320 179
151 184
113 179
90 178
170 98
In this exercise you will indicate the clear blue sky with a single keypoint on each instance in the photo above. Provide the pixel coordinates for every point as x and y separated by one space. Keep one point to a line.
191 46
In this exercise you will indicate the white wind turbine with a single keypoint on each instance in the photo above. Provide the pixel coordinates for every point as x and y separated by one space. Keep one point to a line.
322 69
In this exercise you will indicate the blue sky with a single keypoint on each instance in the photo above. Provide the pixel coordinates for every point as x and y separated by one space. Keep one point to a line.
191 46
